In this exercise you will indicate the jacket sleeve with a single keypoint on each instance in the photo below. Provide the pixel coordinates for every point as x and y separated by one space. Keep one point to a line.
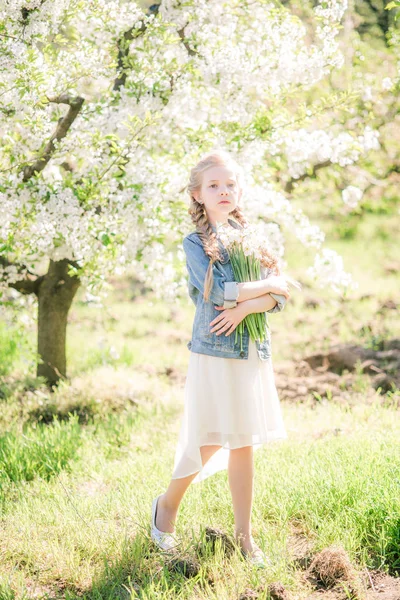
197 263
281 302
280 299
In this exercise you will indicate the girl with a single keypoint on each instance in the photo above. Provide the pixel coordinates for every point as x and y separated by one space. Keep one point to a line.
231 402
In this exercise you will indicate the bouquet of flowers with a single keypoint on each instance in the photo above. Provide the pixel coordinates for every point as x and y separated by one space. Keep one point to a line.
244 248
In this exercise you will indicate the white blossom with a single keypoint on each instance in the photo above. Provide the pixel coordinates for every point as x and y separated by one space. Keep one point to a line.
387 83
112 196
367 93
328 271
351 196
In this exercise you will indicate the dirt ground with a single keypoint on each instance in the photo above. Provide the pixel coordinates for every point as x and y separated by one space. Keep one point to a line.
332 374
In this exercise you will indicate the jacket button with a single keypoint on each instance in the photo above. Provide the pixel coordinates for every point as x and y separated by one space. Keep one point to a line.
242 353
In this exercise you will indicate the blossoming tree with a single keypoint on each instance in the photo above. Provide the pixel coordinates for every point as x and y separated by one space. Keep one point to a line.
104 107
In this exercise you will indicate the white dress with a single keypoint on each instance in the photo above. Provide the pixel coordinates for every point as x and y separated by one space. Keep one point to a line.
229 402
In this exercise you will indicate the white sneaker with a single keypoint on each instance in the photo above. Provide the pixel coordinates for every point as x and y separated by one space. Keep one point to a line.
163 539
257 557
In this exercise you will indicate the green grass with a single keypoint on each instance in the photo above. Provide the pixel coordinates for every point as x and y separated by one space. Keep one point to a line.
13 346
86 528
38 451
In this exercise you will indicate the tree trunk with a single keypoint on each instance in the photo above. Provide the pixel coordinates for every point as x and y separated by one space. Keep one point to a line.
55 295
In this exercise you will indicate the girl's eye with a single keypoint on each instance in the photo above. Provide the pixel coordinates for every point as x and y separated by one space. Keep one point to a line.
212 185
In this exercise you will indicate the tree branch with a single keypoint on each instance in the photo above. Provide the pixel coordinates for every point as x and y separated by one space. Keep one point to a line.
29 285
190 51
123 48
290 184
64 124
382 182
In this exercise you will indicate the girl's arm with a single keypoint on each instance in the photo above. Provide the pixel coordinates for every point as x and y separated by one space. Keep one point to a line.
261 304
270 283
253 289
222 290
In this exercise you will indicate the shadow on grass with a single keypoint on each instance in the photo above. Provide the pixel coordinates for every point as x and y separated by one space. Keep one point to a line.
142 570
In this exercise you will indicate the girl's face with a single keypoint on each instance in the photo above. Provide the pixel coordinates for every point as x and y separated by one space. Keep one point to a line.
219 193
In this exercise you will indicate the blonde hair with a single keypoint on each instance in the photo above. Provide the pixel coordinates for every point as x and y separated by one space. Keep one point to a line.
199 217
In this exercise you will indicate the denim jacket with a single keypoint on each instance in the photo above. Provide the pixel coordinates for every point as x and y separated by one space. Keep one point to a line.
203 341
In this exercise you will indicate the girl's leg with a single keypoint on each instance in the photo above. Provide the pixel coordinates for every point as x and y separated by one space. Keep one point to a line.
168 503
241 477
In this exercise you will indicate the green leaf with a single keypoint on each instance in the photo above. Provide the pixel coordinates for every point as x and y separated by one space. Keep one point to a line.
105 239
393 4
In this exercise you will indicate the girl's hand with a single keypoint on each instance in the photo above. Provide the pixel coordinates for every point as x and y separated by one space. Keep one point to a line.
278 284
228 320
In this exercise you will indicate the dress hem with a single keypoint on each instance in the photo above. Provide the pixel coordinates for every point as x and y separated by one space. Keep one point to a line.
223 447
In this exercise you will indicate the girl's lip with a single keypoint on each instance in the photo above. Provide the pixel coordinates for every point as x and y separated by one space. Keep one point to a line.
224 202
